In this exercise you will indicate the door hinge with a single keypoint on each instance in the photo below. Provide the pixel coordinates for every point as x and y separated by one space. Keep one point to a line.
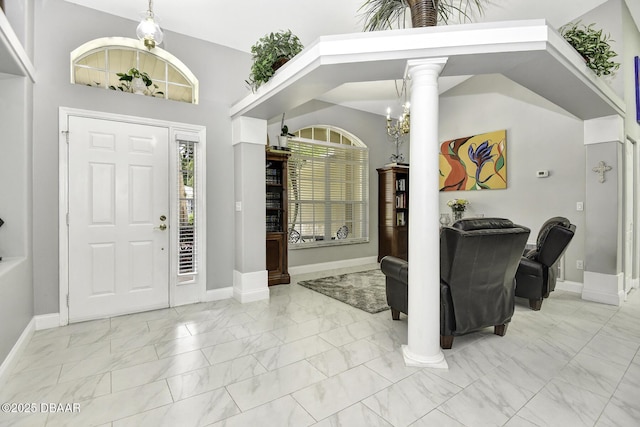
66 135
67 218
67 300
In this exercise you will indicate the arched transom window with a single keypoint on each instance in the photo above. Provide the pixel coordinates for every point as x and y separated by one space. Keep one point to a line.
328 188
98 62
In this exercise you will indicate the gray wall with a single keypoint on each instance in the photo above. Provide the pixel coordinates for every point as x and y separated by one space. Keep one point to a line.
539 136
221 73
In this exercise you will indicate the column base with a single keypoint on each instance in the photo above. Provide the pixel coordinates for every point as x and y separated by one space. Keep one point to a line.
603 288
411 359
250 287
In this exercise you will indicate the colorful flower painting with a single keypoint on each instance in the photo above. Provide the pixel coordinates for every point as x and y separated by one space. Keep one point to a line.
476 162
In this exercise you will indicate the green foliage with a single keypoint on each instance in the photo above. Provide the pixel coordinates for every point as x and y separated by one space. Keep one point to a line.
381 14
134 73
271 50
593 45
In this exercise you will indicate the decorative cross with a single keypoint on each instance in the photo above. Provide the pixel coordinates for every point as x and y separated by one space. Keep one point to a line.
601 169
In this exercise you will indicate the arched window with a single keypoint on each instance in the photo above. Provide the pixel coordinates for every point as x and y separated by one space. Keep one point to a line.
96 63
328 188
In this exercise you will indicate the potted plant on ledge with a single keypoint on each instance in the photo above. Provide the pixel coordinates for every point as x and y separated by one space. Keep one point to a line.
138 82
270 53
381 14
593 45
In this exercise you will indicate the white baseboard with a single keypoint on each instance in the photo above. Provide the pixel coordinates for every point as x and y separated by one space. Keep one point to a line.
603 288
312 268
47 321
17 349
218 294
569 286
251 286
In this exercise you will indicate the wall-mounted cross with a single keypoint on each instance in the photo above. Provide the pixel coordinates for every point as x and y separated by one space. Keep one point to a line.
601 169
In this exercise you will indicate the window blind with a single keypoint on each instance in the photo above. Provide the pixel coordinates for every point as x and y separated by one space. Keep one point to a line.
328 189
187 204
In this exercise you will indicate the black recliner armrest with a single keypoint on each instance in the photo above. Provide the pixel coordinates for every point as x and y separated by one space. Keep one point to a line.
528 267
395 268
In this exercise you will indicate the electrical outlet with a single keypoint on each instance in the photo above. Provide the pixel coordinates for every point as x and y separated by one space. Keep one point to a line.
579 206
580 264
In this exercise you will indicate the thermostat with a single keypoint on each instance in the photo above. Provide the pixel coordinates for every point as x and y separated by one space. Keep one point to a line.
542 174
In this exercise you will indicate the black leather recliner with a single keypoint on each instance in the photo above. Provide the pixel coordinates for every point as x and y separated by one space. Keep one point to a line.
478 262
537 272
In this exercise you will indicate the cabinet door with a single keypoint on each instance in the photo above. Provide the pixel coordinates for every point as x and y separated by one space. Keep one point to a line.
275 253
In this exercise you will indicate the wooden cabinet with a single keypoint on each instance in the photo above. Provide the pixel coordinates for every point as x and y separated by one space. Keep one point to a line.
393 212
276 216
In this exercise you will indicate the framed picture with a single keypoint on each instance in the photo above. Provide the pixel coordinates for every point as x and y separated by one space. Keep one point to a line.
637 67
477 162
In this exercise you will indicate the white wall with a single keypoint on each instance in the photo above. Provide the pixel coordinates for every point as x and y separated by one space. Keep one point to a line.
539 136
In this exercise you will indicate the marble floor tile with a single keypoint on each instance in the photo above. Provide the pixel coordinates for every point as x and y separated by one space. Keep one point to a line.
593 374
242 347
71 391
129 319
193 342
340 359
357 415
295 351
148 338
215 323
437 418
337 393
399 405
573 363
62 356
391 366
114 406
353 332
305 329
28 380
490 401
212 377
200 410
562 404
282 412
274 384
153 371
109 362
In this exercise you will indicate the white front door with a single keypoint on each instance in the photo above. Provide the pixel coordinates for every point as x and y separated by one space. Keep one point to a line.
118 218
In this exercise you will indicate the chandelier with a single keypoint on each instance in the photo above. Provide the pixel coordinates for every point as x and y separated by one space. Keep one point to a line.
148 30
397 129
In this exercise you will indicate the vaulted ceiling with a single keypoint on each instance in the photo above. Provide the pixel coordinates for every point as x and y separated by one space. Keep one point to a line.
238 24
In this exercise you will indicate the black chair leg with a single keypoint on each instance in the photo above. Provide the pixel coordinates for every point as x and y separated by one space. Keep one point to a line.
535 304
500 329
395 314
446 341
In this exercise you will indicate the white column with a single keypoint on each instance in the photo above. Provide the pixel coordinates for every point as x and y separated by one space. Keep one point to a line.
423 347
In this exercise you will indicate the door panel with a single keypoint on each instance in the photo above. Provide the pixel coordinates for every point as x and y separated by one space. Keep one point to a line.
118 190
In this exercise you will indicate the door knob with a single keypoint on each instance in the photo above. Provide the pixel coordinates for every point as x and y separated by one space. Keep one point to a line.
161 227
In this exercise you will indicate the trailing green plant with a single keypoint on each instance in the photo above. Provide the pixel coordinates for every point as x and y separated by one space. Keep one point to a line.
126 80
593 45
382 14
270 53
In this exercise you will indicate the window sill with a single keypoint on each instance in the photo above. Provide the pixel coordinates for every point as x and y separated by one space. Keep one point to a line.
327 243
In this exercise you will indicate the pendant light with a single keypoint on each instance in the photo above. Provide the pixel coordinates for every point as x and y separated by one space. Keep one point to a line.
148 30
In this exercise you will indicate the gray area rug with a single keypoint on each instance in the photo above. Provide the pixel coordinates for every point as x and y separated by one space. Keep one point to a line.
364 290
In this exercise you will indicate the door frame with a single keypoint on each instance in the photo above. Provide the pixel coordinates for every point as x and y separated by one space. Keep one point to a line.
187 293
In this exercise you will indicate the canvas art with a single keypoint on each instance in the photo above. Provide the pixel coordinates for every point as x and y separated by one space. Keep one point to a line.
476 162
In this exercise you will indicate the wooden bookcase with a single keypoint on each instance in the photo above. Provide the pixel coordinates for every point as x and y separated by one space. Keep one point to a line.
393 212
276 216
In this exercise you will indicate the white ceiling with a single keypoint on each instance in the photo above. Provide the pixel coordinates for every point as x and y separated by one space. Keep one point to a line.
239 24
